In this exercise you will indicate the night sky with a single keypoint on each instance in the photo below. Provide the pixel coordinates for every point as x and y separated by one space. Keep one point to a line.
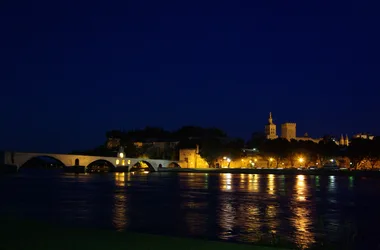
71 70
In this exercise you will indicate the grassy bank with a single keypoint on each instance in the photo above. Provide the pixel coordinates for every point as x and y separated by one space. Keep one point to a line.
275 171
21 235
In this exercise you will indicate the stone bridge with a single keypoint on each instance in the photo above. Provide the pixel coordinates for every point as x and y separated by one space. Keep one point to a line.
19 159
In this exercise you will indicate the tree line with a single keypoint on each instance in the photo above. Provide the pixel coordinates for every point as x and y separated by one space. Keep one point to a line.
360 152
214 143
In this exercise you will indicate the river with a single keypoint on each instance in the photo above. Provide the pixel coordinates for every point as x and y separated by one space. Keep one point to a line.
307 212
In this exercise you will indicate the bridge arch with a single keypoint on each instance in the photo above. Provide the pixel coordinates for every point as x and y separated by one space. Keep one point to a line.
142 165
42 161
173 165
100 165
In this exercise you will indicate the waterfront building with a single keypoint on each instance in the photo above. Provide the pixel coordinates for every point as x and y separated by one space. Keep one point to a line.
191 158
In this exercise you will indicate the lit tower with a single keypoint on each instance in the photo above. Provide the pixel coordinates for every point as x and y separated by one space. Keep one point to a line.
341 141
270 128
346 141
288 130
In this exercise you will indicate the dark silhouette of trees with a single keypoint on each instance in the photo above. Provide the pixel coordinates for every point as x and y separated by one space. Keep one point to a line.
374 152
326 150
257 140
211 149
358 151
278 149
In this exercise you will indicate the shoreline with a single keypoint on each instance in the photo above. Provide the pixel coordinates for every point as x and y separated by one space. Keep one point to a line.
9 170
364 173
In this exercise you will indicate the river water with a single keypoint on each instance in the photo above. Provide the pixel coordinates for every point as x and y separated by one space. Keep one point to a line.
285 210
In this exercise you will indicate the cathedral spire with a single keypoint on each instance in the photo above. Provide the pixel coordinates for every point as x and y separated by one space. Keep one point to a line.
270 120
346 141
341 141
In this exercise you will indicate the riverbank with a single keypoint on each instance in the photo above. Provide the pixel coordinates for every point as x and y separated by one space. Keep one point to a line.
21 235
275 171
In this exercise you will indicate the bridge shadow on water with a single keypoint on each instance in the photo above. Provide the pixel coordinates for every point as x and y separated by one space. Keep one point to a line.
306 212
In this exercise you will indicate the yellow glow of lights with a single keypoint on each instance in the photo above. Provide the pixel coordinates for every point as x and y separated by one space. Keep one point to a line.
121 155
271 159
129 161
123 162
117 161
301 159
255 159
301 177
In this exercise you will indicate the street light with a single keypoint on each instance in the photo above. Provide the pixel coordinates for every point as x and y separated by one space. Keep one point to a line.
270 159
301 159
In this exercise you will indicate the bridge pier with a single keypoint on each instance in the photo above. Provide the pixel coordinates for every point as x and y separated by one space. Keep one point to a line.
123 169
75 169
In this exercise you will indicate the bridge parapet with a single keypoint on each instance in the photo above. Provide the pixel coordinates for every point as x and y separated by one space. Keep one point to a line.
20 158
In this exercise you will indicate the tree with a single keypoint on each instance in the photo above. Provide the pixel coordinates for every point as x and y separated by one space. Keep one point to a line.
277 149
233 148
211 149
326 149
307 149
257 140
358 151
374 151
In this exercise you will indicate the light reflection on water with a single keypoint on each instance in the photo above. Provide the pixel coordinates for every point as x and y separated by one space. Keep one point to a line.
301 210
271 184
119 219
302 218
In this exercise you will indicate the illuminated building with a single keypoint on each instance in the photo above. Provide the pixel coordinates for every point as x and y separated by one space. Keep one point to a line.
270 128
363 136
288 131
191 158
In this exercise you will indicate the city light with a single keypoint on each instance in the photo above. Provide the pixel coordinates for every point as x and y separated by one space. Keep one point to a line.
301 159
270 159
121 155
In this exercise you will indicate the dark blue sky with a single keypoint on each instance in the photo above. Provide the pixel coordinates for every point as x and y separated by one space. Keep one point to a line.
70 71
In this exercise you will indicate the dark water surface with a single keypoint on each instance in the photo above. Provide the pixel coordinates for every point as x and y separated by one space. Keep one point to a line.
303 211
